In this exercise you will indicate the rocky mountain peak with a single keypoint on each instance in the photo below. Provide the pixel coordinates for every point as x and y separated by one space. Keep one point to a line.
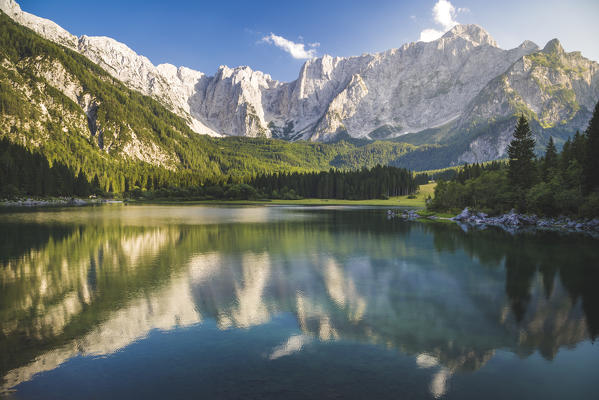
243 73
456 82
528 46
553 46
184 74
10 7
472 33
44 27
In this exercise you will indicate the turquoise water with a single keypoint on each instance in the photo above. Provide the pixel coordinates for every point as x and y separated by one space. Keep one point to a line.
290 302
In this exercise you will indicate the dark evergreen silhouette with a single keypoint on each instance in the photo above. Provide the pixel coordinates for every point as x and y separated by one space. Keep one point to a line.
591 165
23 172
521 171
378 182
550 161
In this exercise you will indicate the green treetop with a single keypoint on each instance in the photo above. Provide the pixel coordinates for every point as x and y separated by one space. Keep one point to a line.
521 171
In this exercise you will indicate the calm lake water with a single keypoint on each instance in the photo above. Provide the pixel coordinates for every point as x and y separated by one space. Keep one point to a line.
290 302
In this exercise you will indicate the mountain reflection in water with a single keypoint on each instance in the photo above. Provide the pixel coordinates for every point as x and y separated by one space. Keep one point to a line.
91 282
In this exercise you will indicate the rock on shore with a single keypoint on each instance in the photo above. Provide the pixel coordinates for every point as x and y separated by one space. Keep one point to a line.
516 220
511 221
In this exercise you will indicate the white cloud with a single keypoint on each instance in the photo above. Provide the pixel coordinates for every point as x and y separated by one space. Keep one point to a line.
428 35
444 15
296 50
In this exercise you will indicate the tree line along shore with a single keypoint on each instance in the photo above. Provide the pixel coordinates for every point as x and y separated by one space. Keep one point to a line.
562 183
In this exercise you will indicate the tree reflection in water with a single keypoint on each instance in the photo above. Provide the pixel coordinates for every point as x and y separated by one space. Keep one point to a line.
447 297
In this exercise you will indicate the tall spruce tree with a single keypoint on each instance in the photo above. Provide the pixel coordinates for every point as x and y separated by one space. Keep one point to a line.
521 172
550 162
591 162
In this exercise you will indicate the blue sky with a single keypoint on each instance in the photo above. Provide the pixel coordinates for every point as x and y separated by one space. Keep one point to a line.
269 35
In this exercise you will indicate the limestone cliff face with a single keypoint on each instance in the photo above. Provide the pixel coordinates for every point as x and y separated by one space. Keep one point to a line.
44 27
230 102
418 86
555 89
463 79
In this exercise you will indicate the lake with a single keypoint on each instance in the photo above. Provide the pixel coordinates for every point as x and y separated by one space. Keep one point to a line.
291 302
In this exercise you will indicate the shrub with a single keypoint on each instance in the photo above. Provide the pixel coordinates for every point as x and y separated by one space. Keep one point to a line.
590 206
541 200
240 191
216 192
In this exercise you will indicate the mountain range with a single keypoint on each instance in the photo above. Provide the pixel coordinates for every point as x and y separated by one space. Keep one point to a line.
459 94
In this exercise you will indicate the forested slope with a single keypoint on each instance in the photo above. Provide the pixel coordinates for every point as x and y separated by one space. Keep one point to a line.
56 103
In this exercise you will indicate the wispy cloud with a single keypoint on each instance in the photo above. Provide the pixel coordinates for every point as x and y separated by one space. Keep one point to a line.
296 50
444 14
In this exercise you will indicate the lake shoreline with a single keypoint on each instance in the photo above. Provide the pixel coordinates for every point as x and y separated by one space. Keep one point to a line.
417 201
511 222
54 202
78 202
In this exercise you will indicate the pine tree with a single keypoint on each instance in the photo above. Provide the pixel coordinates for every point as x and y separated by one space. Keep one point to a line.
95 185
550 162
521 172
591 162
81 185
